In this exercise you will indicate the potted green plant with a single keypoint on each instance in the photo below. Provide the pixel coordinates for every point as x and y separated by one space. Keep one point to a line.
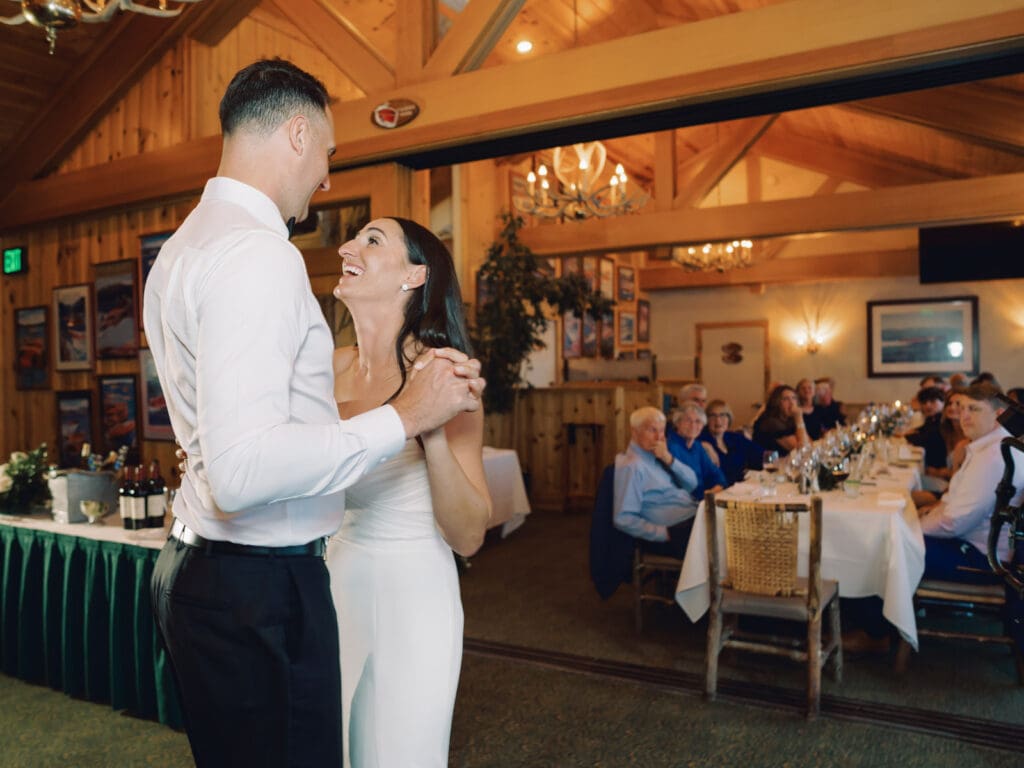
519 297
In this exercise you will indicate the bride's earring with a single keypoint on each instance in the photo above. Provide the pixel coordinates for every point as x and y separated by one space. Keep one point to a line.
405 287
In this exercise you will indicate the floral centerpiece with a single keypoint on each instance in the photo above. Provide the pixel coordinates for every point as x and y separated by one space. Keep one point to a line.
22 481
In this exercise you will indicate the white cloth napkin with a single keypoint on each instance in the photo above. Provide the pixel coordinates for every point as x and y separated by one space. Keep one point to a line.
887 499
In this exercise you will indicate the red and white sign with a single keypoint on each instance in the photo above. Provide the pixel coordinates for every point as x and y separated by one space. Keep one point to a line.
394 112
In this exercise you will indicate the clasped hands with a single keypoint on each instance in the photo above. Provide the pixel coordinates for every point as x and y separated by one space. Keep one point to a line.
443 383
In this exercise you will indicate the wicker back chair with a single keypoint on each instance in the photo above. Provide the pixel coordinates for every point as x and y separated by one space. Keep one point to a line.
761 541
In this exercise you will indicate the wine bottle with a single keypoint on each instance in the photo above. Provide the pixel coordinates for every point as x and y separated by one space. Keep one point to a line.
123 506
156 498
137 499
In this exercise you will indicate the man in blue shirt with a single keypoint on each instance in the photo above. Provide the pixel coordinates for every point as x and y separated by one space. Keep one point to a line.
653 498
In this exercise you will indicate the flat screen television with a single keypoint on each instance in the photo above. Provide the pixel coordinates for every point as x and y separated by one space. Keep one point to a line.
971 252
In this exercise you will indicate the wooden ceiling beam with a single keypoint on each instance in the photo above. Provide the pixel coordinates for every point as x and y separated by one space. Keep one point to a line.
973 113
992 198
222 18
664 170
852 165
415 39
723 157
132 45
753 52
839 266
472 37
340 42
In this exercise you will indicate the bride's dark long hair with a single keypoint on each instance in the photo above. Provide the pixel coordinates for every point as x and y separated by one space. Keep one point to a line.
434 314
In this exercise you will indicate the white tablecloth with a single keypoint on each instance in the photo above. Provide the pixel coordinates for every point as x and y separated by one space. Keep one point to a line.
108 528
508 494
871 545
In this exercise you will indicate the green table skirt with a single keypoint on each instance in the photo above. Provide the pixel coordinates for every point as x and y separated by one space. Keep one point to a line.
75 614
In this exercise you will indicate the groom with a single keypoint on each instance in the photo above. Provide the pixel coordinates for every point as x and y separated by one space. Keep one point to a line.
240 590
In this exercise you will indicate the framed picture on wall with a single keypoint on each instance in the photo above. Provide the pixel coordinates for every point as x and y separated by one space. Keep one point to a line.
156 422
117 317
149 249
589 345
607 342
607 268
911 337
590 272
72 328
31 348
74 425
118 411
572 335
627 284
627 329
643 320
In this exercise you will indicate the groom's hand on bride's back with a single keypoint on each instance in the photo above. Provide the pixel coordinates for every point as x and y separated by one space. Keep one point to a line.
442 384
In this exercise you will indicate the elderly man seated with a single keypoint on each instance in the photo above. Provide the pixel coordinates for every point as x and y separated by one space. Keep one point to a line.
653 498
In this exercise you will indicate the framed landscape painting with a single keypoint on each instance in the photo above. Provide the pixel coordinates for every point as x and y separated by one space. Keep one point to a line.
156 422
72 328
119 412
117 316
31 348
74 425
913 337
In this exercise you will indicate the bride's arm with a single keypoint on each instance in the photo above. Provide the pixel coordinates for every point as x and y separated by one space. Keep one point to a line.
458 488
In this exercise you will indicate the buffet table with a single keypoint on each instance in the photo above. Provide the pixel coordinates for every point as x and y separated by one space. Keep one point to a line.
75 613
871 545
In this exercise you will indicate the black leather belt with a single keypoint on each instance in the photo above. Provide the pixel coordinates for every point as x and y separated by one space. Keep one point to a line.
188 537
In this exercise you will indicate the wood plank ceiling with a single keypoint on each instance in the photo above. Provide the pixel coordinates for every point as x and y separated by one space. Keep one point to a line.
953 132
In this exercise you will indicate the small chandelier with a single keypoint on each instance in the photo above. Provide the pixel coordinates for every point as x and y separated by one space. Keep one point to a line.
577 192
52 15
714 257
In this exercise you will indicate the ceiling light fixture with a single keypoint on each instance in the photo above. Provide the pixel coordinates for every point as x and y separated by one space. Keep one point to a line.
524 46
714 257
54 15
579 189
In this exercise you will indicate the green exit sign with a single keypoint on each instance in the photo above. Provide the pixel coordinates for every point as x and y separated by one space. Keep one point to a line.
14 260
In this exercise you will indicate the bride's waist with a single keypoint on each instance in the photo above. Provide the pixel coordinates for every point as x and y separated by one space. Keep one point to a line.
379 525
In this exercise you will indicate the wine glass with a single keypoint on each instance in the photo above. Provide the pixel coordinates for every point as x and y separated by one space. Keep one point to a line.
840 469
769 465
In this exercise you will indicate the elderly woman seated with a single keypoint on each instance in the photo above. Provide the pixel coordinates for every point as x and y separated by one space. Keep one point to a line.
687 421
736 453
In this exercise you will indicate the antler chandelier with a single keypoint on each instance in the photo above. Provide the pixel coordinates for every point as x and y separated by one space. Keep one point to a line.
577 191
52 15
714 257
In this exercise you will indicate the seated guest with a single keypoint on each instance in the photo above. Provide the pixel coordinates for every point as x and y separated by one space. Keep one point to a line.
1016 394
781 426
958 381
956 527
696 392
682 435
929 434
652 489
952 435
735 451
805 401
987 376
827 411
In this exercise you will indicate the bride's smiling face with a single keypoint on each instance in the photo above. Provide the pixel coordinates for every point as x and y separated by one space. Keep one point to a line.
375 263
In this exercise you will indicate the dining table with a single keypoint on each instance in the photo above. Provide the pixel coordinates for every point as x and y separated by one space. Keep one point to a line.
871 542
504 476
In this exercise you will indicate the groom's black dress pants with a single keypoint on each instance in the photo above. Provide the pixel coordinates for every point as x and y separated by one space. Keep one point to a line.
253 641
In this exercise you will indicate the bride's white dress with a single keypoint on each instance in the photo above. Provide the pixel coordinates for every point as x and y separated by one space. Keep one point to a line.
396 591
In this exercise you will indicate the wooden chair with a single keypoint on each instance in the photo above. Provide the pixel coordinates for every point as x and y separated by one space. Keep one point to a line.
647 568
761 551
966 600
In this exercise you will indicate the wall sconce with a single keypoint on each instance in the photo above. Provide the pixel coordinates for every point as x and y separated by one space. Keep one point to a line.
810 342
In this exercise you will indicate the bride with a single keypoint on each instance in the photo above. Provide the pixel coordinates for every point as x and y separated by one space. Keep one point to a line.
393 575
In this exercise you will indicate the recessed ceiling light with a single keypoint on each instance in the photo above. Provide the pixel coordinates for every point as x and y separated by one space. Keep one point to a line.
524 46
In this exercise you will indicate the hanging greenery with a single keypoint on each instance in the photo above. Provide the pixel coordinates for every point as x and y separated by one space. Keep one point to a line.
516 293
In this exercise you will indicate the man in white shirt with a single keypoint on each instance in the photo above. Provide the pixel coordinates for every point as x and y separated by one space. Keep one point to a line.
240 591
956 527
